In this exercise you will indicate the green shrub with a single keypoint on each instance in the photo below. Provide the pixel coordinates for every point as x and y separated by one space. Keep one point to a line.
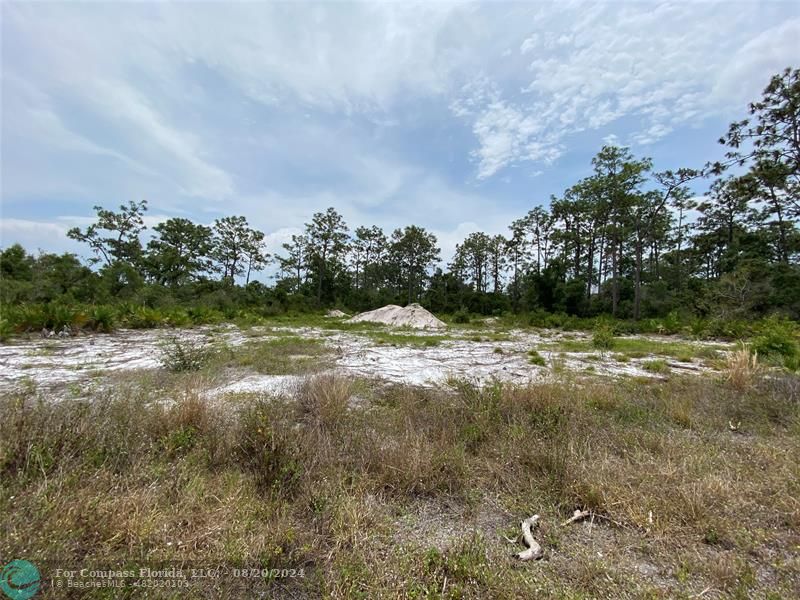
461 316
728 329
143 317
672 323
698 328
31 318
60 316
180 355
6 329
202 315
178 318
603 336
102 318
538 318
778 341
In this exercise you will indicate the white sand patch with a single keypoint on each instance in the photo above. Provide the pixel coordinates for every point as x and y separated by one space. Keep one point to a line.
63 360
431 366
51 364
412 315
274 385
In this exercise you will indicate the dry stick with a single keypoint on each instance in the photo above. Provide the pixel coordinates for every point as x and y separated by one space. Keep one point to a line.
534 550
612 521
576 516
509 540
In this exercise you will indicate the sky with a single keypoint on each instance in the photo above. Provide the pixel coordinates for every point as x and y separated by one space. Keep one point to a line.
457 117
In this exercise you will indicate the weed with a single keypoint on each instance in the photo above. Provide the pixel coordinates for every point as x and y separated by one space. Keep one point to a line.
536 359
407 339
280 355
656 366
181 355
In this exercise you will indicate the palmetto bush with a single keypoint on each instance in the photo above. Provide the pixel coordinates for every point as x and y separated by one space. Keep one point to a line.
779 342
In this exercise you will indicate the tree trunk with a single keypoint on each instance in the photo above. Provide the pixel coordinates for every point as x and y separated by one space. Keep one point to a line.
679 256
637 279
783 252
319 285
601 264
590 268
614 278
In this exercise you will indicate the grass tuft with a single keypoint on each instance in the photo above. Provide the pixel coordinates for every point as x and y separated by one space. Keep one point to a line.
536 359
742 369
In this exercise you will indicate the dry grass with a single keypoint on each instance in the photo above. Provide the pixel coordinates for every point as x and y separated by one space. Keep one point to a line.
409 492
323 400
742 368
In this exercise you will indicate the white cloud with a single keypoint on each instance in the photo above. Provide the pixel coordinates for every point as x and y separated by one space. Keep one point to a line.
744 75
506 134
128 67
120 102
260 108
591 65
529 44
653 133
35 234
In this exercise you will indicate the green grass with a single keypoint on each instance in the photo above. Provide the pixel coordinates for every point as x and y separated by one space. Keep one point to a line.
491 336
636 347
283 355
407 339
656 366
536 359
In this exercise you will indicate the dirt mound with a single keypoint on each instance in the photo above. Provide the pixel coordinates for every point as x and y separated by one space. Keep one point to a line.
336 314
412 315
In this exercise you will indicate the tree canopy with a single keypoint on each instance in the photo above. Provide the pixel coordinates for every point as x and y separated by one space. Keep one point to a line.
626 240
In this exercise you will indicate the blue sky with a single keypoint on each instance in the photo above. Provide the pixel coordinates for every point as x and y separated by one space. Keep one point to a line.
457 117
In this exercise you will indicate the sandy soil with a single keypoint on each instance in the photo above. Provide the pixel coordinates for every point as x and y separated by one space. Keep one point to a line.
57 360
412 315
56 363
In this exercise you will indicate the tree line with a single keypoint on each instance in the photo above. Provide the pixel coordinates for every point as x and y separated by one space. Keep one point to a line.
627 240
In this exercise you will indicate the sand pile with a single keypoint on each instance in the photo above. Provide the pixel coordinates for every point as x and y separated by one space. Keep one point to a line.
336 314
412 315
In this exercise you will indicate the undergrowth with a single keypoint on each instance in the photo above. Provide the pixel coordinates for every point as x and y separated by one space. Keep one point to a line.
341 488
